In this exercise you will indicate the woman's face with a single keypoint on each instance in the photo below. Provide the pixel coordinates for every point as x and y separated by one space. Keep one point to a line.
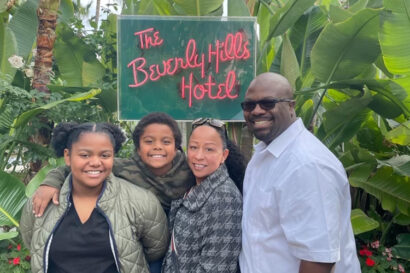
157 148
205 152
91 159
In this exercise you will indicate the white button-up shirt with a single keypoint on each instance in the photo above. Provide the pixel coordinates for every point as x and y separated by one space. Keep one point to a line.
296 207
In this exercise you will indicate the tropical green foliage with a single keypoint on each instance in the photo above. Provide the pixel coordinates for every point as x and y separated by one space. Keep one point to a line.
349 64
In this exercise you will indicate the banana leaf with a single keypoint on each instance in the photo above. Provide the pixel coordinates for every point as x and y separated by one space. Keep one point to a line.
287 16
289 66
395 36
24 24
361 222
345 49
342 122
156 7
402 249
8 235
12 199
76 61
198 8
392 190
26 116
66 11
39 177
400 135
237 8
8 49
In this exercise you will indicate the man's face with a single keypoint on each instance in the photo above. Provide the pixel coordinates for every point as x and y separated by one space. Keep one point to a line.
266 125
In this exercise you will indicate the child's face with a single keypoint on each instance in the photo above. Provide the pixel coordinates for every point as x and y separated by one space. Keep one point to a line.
157 148
91 159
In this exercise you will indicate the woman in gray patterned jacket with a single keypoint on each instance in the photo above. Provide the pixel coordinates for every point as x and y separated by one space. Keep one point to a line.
205 224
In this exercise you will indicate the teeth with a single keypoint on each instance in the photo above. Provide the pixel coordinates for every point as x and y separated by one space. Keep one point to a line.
199 166
262 122
93 172
157 156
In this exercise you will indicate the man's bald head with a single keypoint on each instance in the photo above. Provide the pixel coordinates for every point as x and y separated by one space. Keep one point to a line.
274 111
273 81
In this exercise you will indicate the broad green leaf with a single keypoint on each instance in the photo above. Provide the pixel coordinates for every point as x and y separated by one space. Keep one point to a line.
384 107
237 8
76 61
342 122
263 21
400 164
388 88
66 11
306 111
344 50
359 5
39 177
12 199
371 138
130 7
287 16
361 222
3 5
8 235
9 48
402 219
92 73
402 249
155 7
338 14
400 135
304 33
289 64
395 36
24 24
26 116
391 190
196 7
380 64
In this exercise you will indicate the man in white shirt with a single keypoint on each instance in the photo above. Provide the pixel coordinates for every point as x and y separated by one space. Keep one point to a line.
296 214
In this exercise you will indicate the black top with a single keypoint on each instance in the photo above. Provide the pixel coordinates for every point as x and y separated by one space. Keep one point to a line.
79 248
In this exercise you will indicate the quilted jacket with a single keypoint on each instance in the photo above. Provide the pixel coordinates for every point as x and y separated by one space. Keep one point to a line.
206 228
166 188
138 225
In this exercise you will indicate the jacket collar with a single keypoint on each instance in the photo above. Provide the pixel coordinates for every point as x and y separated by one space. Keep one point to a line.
199 194
108 192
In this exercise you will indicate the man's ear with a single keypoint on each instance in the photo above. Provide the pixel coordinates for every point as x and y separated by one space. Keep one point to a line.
67 157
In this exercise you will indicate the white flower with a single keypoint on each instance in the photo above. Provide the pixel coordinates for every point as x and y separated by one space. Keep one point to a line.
34 52
29 72
16 61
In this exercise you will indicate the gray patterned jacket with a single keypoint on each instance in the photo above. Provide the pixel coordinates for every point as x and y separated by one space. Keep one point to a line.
206 227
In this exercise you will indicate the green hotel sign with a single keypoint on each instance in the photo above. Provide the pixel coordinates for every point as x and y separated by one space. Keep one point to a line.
188 67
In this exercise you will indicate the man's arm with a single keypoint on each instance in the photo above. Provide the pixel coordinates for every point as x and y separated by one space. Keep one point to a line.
314 267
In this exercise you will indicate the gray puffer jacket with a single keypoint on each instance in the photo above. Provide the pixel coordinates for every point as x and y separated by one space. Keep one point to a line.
138 225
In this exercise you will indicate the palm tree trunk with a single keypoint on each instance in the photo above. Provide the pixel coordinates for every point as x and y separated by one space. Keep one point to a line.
97 11
47 16
46 36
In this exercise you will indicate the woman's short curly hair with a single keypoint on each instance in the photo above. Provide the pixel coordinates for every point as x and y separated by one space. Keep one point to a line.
157 118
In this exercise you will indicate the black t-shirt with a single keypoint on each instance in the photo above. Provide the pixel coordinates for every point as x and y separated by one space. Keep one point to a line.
79 248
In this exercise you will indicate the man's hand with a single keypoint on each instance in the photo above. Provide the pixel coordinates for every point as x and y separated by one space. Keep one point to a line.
43 195
314 267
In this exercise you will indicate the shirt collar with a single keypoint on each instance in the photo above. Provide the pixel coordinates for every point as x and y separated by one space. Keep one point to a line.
279 144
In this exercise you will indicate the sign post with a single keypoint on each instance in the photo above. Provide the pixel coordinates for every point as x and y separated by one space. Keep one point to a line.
188 67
